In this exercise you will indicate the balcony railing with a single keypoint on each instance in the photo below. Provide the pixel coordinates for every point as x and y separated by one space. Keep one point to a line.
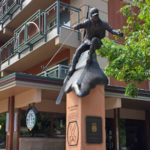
39 25
57 72
61 14
7 50
30 32
7 8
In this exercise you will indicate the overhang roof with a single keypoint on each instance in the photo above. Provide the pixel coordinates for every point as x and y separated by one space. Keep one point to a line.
116 91
28 78
17 82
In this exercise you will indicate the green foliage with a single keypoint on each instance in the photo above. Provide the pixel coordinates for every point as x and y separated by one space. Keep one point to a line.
131 62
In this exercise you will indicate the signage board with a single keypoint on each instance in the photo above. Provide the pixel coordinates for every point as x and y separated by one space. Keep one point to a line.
31 119
93 130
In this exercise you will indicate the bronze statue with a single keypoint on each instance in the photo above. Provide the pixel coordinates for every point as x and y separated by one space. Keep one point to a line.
95 30
84 72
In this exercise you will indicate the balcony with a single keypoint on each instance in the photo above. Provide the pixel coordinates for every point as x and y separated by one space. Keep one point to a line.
7 8
14 12
30 32
39 37
56 72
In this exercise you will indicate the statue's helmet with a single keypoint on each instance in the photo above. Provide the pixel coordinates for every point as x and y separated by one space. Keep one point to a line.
94 11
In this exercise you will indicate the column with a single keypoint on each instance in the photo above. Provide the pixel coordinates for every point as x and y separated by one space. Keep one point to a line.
11 123
85 127
52 125
117 128
18 127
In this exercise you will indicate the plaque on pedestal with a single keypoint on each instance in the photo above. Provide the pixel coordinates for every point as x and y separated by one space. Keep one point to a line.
93 130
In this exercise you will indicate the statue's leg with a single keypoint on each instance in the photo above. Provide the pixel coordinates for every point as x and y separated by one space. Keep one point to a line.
95 44
82 48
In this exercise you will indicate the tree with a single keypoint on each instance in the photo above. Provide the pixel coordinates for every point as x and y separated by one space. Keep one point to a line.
130 62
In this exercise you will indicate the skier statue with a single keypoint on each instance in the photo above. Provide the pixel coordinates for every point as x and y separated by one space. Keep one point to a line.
95 30
85 79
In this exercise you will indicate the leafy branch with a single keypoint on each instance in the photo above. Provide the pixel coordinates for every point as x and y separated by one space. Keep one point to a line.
130 62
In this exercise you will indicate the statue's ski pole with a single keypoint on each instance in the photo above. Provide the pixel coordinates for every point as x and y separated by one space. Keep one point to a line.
61 93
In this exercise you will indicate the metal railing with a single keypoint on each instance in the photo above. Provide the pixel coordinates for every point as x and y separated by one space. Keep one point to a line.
57 72
30 32
61 14
7 50
40 24
7 8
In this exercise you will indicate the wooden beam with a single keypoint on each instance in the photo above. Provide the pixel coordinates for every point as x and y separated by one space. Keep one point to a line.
112 103
18 127
11 122
117 128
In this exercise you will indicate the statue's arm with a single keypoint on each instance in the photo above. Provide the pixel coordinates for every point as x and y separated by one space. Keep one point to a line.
81 25
113 31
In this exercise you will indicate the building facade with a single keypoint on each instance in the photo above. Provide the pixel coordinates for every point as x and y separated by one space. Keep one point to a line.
36 45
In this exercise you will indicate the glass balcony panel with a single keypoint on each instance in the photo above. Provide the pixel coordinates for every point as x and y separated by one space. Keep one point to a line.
65 16
69 15
31 31
56 72
51 19
20 37
10 3
52 74
33 27
3 8
63 71
7 50
42 23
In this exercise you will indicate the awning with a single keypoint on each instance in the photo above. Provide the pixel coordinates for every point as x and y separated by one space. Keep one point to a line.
26 88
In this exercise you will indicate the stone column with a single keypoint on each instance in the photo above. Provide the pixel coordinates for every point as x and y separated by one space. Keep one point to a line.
78 109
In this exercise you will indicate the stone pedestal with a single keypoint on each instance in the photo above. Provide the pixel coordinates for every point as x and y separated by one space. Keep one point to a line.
78 109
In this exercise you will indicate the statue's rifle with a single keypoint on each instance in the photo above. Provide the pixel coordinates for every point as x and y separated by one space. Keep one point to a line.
78 83
87 16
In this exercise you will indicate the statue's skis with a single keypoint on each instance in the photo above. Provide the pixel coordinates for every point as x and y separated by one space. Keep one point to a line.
78 83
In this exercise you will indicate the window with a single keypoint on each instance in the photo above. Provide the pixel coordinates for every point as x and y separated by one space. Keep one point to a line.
47 125
41 129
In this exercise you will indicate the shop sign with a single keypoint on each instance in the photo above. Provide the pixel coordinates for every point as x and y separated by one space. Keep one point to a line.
31 119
